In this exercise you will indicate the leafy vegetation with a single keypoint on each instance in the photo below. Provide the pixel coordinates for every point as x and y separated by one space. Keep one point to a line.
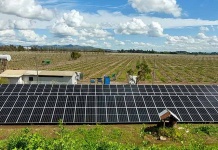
75 55
112 137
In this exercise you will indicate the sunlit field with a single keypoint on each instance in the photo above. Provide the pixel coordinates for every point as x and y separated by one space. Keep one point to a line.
165 69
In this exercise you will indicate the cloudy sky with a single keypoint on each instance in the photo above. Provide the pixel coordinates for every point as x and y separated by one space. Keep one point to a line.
162 25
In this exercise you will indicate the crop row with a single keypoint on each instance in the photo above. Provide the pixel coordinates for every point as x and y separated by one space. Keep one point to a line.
164 68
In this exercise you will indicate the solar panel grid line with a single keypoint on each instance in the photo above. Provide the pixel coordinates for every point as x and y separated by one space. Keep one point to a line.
4 89
209 90
166 92
2 108
54 109
162 93
215 100
126 109
155 89
4 103
181 90
116 109
37 87
136 109
137 90
33 108
187 89
45 88
161 101
85 109
214 88
205 109
17 88
10 88
32 88
106 109
146 108
173 88
96 105
22 109
154 104
207 101
43 108
74 115
162 89
175 108
65 108
200 89
11 110
193 88
182 104
195 108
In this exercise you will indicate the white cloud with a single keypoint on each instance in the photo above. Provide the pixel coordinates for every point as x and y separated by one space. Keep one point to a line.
8 37
201 42
173 40
67 40
73 24
119 42
25 9
108 45
73 19
162 6
90 43
62 29
201 36
204 29
31 36
7 33
137 26
155 30
22 24
97 33
5 25
142 44
109 20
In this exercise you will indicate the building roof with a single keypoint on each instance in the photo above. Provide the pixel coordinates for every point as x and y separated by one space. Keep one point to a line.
19 73
167 113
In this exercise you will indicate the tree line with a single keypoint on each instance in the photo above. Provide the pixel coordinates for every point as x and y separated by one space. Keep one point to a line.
95 50
165 52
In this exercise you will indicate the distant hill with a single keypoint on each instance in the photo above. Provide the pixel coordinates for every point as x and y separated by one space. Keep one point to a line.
70 46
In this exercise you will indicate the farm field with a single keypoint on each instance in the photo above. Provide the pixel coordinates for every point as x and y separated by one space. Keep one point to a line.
165 69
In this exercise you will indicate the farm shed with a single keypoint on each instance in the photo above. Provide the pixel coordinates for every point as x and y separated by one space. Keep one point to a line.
170 117
41 77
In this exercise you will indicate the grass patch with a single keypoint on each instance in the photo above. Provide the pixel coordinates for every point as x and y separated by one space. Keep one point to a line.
104 137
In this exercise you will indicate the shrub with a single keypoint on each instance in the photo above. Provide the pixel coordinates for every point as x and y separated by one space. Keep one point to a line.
210 130
75 55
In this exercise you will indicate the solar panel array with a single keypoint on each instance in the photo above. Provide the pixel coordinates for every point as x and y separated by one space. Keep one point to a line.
45 104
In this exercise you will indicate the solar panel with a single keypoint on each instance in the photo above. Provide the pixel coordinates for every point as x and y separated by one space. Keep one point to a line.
106 103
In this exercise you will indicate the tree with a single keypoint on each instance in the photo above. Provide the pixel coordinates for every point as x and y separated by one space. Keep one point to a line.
20 48
143 70
74 55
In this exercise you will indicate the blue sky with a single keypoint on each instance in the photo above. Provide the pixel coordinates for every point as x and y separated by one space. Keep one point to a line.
162 25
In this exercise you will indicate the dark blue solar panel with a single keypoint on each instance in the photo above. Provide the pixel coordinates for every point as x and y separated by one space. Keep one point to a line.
106 103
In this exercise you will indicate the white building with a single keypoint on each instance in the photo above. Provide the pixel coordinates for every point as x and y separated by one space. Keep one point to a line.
41 77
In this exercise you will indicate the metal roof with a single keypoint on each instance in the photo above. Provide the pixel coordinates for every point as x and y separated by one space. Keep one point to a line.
19 73
168 111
